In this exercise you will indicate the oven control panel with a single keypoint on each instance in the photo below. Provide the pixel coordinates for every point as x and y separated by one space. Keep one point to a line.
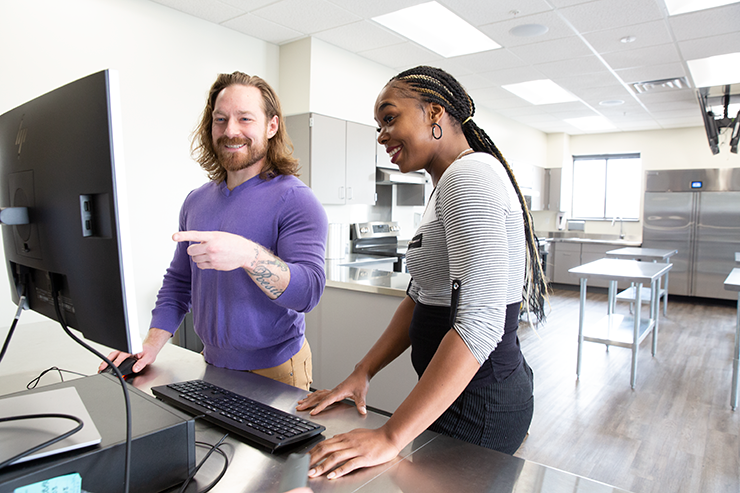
376 229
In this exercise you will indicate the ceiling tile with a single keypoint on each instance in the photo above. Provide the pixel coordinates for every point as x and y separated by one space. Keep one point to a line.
499 31
601 93
710 22
626 112
401 56
530 111
262 29
608 14
575 66
655 72
307 16
360 36
248 5
480 12
502 77
680 122
646 34
210 10
573 83
473 81
367 10
641 57
487 93
553 50
638 126
489 60
712 46
673 107
508 102
679 95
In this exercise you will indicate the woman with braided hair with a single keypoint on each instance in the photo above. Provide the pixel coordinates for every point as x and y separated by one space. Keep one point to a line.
473 262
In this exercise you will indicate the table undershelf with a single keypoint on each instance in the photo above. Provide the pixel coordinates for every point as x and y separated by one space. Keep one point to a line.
617 330
646 295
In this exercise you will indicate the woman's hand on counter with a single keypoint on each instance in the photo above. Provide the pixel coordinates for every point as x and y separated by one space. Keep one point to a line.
354 450
354 387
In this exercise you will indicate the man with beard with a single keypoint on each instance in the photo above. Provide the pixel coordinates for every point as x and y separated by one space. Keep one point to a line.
249 259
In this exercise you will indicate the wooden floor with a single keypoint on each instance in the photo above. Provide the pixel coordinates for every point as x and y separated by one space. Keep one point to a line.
675 432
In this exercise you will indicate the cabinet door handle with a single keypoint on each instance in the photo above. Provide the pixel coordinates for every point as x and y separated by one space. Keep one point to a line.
349 193
341 193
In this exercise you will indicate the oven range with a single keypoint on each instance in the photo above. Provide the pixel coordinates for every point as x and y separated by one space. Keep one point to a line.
379 238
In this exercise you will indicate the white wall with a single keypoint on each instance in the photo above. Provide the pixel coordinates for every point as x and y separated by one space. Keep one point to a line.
680 148
167 61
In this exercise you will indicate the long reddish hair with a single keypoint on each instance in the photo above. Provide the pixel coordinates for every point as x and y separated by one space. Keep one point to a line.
279 159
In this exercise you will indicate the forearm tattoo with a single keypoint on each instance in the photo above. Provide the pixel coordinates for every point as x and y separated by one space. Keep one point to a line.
266 274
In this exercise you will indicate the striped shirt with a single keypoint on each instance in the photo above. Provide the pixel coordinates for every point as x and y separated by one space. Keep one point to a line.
472 231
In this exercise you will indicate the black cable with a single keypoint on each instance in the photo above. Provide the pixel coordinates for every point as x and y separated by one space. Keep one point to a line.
223 471
21 302
33 383
54 440
127 459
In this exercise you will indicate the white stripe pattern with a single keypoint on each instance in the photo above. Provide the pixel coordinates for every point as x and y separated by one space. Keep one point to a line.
472 231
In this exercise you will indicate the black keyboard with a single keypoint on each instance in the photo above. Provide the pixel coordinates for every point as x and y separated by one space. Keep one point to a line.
249 419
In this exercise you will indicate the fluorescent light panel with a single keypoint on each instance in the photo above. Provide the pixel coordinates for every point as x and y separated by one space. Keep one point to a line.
591 123
433 26
715 70
543 91
676 7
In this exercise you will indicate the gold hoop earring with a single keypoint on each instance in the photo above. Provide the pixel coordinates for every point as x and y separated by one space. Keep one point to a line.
434 135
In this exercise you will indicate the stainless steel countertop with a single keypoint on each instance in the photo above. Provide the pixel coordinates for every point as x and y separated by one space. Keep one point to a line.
581 237
357 259
635 253
613 269
732 283
430 463
367 279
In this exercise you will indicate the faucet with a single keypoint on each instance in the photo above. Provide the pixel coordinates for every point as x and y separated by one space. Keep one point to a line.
621 222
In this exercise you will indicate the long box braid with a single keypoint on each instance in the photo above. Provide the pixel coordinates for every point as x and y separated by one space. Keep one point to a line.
434 85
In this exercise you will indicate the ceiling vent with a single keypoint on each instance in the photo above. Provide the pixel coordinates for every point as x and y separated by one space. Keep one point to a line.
661 85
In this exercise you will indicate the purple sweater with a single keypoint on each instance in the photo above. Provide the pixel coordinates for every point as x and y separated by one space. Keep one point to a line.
241 328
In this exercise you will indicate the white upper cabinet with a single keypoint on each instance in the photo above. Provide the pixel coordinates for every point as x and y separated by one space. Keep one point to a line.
337 158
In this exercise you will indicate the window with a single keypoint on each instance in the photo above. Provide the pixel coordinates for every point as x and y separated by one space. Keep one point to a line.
607 186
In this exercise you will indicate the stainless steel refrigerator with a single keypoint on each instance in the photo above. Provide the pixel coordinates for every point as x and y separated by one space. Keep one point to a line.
697 212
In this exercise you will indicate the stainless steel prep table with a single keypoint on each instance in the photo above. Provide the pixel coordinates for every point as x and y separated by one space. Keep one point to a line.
614 330
649 255
732 283
432 462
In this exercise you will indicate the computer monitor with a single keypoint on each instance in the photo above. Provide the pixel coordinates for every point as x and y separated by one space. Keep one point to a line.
61 158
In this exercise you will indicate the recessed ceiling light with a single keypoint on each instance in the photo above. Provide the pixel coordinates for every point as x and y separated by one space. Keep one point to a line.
528 30
611 102
436 28
715 70
676 7
628 39
542 91
591 123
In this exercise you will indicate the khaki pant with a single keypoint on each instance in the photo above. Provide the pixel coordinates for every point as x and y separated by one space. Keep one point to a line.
297 371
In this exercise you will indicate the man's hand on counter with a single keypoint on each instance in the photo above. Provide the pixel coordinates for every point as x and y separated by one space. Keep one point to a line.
354 387
150 348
